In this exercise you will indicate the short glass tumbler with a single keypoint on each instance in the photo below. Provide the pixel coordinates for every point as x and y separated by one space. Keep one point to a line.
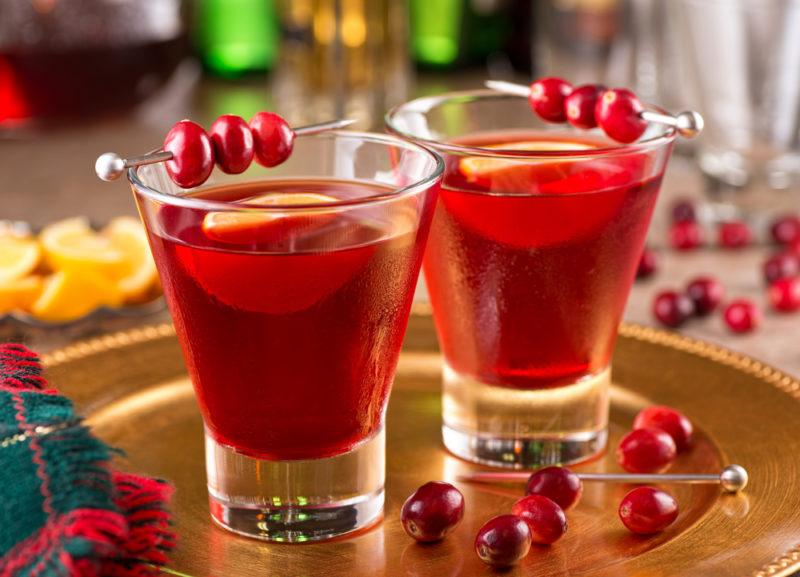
290 290
532 253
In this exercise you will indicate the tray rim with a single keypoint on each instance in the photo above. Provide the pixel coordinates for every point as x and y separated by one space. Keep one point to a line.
782 565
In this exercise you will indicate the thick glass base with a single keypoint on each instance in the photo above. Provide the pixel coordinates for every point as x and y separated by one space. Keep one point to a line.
296 501
519 429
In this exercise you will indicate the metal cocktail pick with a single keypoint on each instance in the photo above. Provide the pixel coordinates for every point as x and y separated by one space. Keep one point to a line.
687 123
110 166
732 478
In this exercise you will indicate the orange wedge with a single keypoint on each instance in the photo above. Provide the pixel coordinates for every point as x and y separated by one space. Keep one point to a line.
70 294
127 235
19 256
19 294
71 244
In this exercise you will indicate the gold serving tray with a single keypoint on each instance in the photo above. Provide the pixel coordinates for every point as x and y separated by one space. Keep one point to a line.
135 393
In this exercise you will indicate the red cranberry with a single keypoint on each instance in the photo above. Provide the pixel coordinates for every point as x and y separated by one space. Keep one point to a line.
786 229
794 247
192 154
558 484
648 263
547 98
503 541
742 316
669 420
432 511
273 139
685 235
545 519
734 234
648 450
647 510
784 294
782 265
672 308
706 294
233 143
618 114
580 105
684 211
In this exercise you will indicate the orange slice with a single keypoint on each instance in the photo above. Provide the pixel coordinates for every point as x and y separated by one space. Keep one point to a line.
71 294
19 256
19 294
127 235
71 244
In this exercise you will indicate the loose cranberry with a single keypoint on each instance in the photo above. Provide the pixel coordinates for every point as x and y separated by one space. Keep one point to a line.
192 154
580 105
794 247
786 229
233 143
647 510
742 316
273 139
558 484
648 450
432 511
545 518
706 294
734 234
784 294
685 235
548 96
503 541
684 211
672 308
782 265
669 420
618 114
648 263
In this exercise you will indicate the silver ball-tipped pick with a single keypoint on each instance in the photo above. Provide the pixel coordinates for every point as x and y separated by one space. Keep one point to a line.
109 166
689 123
733 478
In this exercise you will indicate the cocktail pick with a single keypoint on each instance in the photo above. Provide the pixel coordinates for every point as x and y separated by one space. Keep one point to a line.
110 165
732 478
687 123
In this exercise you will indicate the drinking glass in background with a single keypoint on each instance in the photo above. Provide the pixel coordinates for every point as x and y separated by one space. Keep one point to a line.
290 291
532 253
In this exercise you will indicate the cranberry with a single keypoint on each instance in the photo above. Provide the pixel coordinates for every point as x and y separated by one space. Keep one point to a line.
558 484
685 235
734 234
647 450
784 294
794 247
432 511
786 229
580 105
647 510
546 520
192 154
648 263
684 211
618 114
669 420
273 139
672 308
503 541
233 143
547 98
706 294
742 316
782 265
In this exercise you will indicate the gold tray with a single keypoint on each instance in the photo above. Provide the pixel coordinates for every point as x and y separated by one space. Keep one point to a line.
135 393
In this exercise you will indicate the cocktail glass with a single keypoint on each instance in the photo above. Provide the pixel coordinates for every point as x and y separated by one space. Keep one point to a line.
532 253
290 290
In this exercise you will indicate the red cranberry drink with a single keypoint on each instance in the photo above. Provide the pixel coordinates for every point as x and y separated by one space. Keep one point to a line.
535 244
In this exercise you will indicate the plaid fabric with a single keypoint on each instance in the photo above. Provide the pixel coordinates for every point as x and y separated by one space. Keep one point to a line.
63 511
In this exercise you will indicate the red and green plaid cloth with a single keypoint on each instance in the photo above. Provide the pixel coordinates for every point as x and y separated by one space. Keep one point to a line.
63 511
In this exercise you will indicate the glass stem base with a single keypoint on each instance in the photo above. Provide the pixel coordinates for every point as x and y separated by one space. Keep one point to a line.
521 429
300 500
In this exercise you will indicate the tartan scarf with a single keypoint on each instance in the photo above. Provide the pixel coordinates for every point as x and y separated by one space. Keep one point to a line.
63 511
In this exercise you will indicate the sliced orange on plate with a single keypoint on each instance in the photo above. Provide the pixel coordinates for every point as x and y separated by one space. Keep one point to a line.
72 244
127 235
19 294
19 256
71 294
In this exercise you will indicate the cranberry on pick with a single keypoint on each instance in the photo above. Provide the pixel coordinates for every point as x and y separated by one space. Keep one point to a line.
618 114
648 450
648 263
706 293
192 154
786 229
684 211
546 520
432 511
742 316
647 510
273 139
784 294
734 234
558 484
672 308
547 98
580 105
782 265
503 541
669 420
233 143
